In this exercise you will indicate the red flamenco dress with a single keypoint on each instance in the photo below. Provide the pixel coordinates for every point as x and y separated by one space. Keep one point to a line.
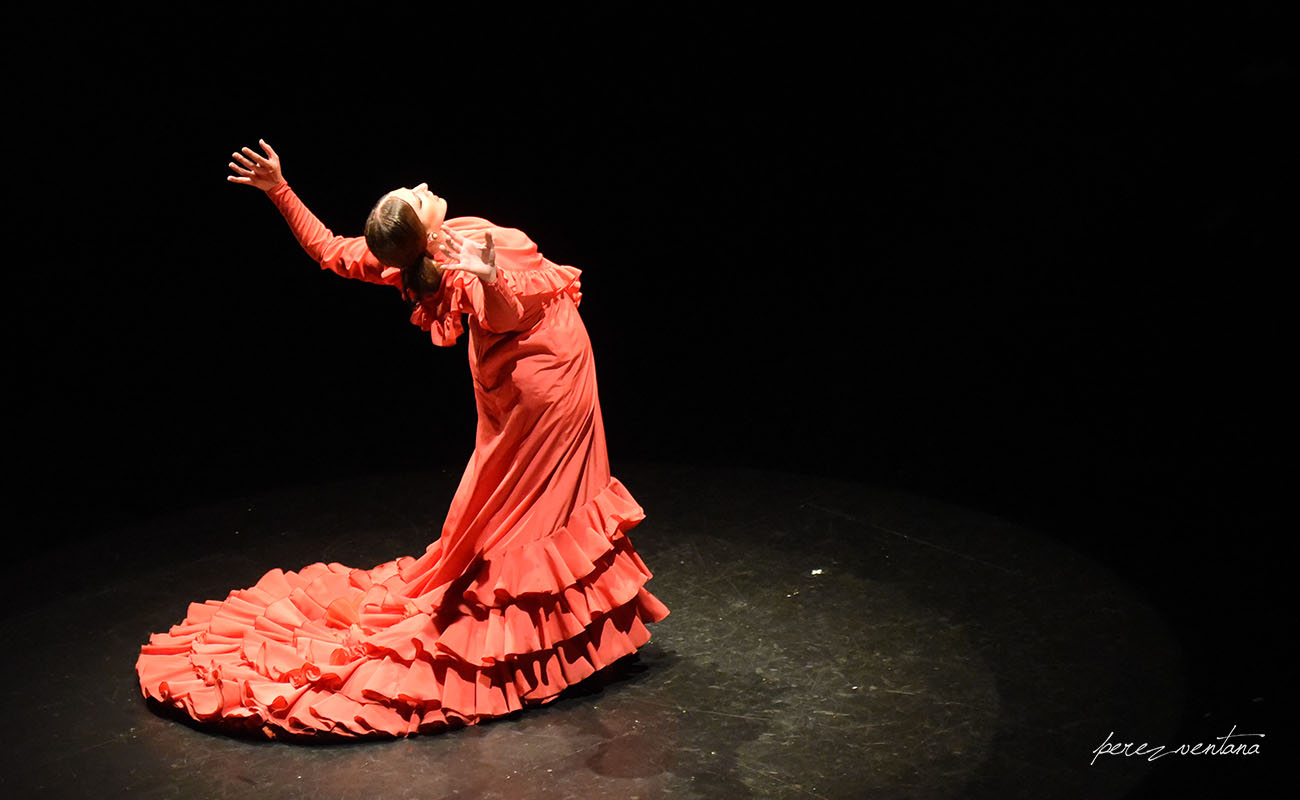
532 586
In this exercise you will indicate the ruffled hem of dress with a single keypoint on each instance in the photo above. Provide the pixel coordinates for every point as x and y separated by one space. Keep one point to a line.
258 683
546 566
347 652
440 314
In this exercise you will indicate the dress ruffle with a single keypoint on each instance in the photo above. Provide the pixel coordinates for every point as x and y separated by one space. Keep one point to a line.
350 652
441 314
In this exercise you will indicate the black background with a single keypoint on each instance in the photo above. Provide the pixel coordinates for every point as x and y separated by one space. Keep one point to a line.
1021 259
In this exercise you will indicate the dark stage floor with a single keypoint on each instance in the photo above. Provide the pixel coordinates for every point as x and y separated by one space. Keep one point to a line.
827 640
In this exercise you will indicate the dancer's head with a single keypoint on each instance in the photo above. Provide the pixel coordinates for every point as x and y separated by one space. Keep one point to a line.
402 231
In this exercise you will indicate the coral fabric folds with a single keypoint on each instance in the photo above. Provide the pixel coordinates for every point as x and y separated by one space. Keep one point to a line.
532 586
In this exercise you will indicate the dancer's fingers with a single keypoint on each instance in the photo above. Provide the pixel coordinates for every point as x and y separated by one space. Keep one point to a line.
251 153
239 169
270 151
240 158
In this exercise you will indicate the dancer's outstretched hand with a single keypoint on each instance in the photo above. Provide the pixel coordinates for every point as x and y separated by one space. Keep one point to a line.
255 169
464 255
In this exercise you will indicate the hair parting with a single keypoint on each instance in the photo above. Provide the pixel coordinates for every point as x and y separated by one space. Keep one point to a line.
395 234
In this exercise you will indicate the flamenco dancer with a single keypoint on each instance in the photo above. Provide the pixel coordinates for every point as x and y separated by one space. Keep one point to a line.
533 584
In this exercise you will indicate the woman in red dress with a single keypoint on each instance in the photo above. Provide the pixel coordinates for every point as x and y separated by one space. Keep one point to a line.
533 584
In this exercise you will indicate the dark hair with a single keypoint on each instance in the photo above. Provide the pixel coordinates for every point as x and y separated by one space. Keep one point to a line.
395 234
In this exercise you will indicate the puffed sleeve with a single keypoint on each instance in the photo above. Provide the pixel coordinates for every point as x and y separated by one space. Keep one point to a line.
346 256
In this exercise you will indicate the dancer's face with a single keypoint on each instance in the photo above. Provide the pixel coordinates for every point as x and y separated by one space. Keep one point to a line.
429 207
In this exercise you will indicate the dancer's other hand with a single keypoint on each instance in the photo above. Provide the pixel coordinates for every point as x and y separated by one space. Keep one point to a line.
464 255
254 169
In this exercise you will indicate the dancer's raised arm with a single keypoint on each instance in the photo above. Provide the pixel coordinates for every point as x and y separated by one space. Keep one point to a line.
346 256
